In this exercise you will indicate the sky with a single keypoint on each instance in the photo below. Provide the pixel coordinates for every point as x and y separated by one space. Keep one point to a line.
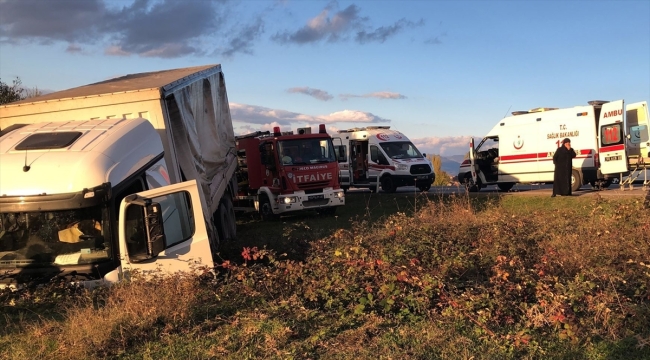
438 71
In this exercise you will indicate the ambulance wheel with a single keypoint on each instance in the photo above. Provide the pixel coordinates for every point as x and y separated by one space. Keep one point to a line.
470 185
225 220
576 181
505 186
387 184
266 211
424 188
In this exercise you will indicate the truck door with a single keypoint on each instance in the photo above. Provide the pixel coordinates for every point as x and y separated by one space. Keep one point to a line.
472 160
638 133
612 153
342 158
164 230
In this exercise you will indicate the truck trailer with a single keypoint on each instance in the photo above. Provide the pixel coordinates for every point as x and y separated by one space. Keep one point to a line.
135 172
520 148
376 155
283 172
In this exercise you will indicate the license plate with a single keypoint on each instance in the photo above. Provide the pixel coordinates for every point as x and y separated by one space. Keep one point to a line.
422 177
613 158
315 197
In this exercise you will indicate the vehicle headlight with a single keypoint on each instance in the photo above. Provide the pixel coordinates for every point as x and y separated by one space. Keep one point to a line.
289 199
401 167
339 194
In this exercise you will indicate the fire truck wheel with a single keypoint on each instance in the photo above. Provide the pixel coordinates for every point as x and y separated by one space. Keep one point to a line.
576 180
387 184
266 211
225 220
470 185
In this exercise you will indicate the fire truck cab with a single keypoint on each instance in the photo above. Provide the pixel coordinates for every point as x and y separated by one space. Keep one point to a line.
284 172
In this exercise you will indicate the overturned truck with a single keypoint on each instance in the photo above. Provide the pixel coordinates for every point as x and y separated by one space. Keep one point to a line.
136 172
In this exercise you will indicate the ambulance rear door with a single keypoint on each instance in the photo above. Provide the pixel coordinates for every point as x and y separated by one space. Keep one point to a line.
612 153
638 133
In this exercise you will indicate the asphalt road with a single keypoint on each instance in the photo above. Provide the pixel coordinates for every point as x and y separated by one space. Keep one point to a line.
614 190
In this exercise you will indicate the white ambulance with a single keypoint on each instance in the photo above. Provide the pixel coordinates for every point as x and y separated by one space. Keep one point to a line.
520 148
376 155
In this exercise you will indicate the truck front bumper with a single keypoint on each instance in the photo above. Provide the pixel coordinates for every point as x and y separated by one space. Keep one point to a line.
413 180
302 201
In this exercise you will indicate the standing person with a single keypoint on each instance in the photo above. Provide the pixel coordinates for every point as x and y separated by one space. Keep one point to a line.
563 167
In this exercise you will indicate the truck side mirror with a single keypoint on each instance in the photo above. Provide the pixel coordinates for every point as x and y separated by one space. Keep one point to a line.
145 234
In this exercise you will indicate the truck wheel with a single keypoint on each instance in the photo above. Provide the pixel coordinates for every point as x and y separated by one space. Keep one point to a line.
387 184
226 224
470 185
576 181
505 186
266 211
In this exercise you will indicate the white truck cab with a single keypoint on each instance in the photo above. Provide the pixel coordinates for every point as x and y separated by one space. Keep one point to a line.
376 155
132 173
50 219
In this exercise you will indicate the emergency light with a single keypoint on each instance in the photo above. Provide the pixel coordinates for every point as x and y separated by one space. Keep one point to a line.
276 131
321 129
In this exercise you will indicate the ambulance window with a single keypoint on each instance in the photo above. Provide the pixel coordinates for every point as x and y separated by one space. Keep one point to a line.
611 134
376 156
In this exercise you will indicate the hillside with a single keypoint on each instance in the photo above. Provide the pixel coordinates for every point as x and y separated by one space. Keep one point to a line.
451 163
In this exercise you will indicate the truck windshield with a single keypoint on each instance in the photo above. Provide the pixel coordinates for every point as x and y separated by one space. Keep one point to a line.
306 151
46 238
400 150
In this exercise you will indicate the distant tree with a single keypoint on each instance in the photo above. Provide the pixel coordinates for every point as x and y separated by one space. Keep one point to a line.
11 93
442 178
32 93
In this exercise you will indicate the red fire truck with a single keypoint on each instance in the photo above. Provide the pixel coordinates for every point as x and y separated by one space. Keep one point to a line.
282 172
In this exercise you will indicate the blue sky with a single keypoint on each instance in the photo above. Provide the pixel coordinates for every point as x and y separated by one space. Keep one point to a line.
439 71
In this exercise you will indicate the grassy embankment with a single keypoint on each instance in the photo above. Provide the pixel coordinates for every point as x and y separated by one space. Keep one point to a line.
391 276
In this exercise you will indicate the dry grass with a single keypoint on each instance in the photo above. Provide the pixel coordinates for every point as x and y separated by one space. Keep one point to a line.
455 279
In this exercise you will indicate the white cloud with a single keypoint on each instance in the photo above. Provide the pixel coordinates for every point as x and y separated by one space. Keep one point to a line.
115 50
383 95
252 114
353 116
315 93
445 146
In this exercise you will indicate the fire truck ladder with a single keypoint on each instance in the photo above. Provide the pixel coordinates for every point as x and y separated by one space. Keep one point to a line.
639 165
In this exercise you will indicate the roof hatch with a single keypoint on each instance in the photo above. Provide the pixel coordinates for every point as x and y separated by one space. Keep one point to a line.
50 140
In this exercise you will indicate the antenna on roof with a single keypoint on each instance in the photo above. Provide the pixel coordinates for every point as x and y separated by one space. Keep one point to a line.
26 167
506 114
